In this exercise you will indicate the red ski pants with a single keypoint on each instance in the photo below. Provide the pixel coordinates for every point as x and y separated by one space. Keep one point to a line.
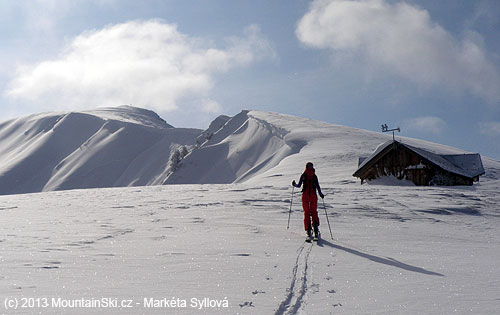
310 206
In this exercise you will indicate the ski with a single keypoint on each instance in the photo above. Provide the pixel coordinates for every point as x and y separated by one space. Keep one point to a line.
309 236
310 239
317 237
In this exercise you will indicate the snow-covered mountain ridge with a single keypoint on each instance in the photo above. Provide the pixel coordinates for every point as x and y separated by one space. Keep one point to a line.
123 146
254 146
393 250
128 146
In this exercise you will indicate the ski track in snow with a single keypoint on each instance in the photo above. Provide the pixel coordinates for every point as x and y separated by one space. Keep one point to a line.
299 285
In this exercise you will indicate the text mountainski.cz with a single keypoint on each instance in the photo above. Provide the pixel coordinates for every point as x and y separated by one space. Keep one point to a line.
104 302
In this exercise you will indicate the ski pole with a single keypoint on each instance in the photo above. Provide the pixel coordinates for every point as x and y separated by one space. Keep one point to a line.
290 212
327 218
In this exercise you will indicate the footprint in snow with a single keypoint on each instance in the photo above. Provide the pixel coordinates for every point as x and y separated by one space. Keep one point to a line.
315 288
52 265
123 207
247 304
197 220
159 238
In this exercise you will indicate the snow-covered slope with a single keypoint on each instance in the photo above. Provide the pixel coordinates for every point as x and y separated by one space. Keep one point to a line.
243 147
254 146
396 250
110 147
128 146
225 249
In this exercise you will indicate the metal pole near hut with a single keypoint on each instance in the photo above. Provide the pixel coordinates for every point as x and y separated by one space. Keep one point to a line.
386 129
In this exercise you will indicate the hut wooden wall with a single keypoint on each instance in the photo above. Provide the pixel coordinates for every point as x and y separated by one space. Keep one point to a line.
403 163
395 163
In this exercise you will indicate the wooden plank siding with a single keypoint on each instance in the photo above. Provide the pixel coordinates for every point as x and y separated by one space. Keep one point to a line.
395 162
399 161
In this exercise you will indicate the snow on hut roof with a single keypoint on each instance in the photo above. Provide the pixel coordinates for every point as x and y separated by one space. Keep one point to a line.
381 147
467 164
472 163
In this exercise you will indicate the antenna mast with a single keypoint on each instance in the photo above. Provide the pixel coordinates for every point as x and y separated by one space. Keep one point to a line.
386 129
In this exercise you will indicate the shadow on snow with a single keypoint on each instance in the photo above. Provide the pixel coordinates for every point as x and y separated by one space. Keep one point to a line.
386 261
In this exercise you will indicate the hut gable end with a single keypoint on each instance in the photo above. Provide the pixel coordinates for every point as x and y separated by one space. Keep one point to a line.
420 166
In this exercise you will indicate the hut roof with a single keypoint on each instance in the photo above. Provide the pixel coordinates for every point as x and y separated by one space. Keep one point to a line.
468 164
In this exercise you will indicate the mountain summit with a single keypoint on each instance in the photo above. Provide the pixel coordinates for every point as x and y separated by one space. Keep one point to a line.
107 147
129 146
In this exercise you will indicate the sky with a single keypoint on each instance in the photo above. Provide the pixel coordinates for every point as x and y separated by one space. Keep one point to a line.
430 67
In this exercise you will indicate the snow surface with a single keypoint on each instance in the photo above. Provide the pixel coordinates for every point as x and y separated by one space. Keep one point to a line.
128 146
395 250
255 146
123 146
401 251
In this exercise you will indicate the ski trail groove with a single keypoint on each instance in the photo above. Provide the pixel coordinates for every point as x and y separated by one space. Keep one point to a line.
298 287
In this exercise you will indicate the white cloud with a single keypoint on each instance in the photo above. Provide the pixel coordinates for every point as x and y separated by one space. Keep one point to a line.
401 39
427 124
144 63
490 128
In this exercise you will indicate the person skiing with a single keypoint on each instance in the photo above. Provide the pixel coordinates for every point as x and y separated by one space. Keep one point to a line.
310 184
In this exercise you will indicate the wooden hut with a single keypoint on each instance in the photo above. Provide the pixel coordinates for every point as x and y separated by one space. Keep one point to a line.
420 166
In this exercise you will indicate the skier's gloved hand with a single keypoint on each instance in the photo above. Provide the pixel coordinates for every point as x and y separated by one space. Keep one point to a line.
321 195
294 184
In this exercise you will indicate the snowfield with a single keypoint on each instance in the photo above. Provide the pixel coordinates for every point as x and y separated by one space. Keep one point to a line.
124 146
219 244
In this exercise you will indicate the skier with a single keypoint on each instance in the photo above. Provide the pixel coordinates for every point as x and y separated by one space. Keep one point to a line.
310 184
